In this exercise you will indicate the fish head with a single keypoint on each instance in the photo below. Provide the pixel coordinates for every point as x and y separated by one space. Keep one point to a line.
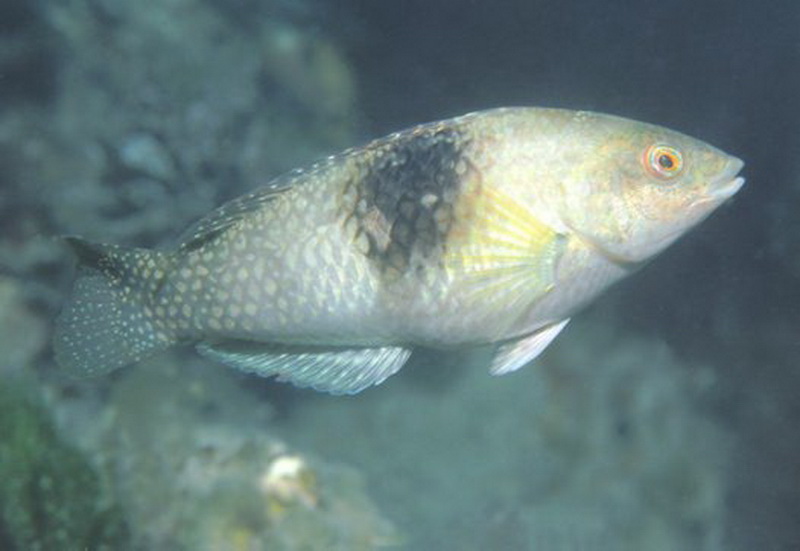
636 188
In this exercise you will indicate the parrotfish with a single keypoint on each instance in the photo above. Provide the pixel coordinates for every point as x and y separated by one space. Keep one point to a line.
492 228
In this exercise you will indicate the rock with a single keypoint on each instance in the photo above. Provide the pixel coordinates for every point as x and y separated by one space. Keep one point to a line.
50 495
194 439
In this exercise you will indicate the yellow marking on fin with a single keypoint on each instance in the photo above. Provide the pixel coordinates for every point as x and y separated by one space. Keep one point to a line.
500 251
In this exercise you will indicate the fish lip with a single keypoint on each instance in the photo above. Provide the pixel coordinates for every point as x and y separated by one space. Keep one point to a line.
728 182
727 189
726 185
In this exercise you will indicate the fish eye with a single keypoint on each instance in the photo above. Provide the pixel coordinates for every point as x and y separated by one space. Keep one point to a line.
663 161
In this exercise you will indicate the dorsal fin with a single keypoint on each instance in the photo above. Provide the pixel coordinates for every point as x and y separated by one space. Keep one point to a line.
225 216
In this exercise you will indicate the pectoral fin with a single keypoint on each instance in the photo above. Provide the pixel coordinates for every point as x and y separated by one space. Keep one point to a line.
512 356
336 370
502 253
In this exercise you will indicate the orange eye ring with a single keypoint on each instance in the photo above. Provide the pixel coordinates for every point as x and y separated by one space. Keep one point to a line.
663 161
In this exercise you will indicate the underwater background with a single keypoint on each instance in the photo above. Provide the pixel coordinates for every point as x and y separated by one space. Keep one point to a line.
664 418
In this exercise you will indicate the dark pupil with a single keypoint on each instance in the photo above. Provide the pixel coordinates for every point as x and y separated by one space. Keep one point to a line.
665 161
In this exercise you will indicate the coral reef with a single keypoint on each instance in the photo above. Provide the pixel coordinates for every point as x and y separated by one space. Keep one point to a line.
189 456
162 110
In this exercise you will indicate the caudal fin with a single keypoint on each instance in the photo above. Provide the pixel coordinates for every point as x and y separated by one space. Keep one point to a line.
109 322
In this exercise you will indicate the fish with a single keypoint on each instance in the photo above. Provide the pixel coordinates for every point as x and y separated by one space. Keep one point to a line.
492 228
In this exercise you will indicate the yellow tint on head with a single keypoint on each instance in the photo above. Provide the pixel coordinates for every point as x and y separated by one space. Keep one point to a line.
634 188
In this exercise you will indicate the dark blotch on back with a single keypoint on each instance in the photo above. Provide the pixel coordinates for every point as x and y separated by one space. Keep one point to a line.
411 180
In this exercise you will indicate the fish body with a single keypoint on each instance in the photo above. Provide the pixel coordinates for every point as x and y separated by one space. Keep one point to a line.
494 227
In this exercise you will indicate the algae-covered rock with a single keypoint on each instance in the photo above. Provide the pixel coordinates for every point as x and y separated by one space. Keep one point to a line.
50 497
193 463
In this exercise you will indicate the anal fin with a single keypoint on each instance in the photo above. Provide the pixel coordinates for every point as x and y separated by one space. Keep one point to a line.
514 355
335 370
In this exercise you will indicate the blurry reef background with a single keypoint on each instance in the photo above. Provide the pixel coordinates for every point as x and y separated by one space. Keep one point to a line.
664 418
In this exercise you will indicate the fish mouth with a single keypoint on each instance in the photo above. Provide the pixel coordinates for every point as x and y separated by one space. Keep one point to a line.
726 184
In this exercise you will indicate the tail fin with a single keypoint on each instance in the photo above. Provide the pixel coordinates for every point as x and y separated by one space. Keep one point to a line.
109 321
